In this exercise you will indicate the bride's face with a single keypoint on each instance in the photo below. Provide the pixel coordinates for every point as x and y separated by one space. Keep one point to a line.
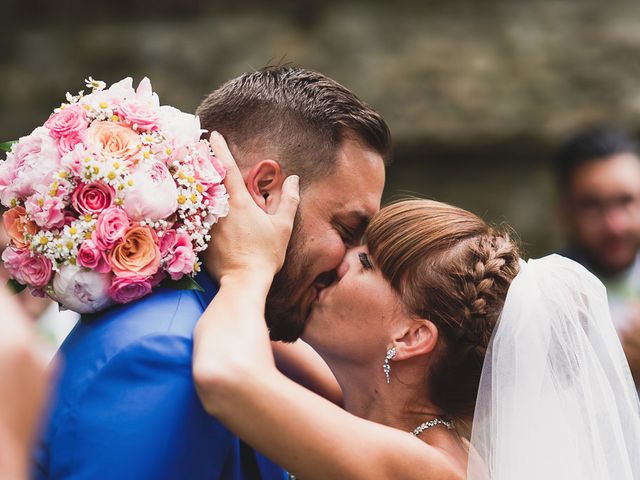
354 317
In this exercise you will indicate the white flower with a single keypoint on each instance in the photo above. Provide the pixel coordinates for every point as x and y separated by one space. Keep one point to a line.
179 128
81 290
95 85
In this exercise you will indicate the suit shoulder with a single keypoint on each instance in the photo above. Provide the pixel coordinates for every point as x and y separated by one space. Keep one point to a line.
165 311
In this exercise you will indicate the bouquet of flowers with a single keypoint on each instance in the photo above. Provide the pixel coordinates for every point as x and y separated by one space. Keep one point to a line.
112 196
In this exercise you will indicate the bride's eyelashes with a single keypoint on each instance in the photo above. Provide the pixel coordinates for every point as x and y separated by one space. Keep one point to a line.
364 260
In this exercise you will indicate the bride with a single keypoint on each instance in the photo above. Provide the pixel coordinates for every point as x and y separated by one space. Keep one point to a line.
434 329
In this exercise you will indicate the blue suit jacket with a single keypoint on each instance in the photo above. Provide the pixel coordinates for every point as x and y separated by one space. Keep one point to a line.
125 405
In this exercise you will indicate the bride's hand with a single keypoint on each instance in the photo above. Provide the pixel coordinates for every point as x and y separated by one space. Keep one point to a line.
249 240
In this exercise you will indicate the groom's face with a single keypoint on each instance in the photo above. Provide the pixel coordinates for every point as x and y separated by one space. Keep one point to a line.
333 214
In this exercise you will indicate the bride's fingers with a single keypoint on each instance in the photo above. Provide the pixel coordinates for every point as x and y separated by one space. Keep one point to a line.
233 180
289 201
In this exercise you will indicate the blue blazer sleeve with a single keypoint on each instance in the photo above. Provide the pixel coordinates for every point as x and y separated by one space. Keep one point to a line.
140 418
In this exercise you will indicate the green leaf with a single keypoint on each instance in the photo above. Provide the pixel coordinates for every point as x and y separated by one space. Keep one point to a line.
14 286
185 283
6 146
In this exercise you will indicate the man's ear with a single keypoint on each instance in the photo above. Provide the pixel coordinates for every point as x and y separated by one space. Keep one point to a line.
264 182
420 337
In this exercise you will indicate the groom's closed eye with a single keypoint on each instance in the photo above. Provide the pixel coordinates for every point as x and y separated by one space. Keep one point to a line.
351 227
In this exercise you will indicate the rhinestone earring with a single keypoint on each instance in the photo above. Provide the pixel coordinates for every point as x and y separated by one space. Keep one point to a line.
386 366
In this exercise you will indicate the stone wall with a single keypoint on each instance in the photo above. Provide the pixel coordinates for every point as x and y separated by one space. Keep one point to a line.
477 93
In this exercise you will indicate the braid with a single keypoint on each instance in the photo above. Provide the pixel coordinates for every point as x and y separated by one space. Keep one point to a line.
485 285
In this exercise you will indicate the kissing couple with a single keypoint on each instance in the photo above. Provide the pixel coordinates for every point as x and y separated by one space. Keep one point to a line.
430 349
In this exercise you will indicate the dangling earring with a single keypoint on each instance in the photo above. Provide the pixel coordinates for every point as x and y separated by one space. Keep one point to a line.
386 366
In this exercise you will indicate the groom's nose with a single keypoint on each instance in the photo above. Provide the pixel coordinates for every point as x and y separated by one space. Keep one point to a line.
343 267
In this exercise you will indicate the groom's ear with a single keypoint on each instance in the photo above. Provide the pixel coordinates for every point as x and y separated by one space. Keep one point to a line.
264 182
420 337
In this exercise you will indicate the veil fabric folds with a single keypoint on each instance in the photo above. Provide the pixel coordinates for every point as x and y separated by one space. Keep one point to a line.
556 398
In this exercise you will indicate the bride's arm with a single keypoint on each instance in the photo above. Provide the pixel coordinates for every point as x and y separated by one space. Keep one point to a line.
303 365
236 374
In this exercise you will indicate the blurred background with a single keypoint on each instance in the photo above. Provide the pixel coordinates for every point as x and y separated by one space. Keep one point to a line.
478 94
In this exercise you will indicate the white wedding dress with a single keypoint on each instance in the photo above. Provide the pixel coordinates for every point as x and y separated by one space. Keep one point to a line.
556 397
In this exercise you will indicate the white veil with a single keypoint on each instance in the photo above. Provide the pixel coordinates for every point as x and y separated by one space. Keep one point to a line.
556 397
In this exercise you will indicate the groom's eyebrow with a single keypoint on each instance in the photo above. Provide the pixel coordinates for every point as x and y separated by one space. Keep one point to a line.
356 219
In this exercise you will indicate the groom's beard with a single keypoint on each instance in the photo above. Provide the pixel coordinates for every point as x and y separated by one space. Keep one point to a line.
285 313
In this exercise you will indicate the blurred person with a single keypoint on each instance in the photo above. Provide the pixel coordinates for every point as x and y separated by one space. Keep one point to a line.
54 324
24 384
598 176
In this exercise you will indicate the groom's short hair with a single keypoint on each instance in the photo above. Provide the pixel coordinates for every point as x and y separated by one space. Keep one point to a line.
295 116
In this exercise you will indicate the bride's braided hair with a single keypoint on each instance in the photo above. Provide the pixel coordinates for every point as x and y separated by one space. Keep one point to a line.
453 269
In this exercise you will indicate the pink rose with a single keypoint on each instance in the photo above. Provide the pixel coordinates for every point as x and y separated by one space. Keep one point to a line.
113 141
69 121
154 194
137 255
128 289
27 268
90 256
167 241
81 290
182 258
157 279
111 226
46 211
67 144
142 111
69 217
92 197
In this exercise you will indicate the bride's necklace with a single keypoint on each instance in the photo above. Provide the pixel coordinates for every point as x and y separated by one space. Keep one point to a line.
432 423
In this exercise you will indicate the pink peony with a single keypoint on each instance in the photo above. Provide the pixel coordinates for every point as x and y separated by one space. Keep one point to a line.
31 165
90 256
92 197
13 259
81 290
183 258
128 289
46 211
111 226
27 268
68 121
142 111
153 195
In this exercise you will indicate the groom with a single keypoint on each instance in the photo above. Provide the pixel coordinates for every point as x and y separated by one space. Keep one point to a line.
126 406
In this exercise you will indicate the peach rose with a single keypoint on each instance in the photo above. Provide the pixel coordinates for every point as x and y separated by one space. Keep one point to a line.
137 254
18 226
113 140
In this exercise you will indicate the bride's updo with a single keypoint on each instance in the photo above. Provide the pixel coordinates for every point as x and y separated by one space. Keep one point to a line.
453 269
